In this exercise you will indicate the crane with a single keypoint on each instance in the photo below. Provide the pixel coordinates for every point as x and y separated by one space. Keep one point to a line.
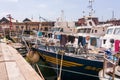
10 19
43 19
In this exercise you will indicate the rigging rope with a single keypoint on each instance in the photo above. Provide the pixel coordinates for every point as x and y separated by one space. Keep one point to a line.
39 72
61 64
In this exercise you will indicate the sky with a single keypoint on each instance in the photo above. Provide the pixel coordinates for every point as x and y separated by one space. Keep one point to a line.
51 9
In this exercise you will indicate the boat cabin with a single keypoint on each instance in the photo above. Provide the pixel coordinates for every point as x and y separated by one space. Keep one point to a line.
112 33
93 30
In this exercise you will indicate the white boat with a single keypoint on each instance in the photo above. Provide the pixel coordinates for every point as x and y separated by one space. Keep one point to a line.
112 32
111 41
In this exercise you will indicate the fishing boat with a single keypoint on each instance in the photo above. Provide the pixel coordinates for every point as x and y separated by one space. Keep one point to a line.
77 62
71 62
74 66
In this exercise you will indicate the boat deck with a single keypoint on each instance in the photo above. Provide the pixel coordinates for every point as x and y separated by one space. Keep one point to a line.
13 66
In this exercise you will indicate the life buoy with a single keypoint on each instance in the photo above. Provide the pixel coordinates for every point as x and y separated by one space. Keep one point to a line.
87 38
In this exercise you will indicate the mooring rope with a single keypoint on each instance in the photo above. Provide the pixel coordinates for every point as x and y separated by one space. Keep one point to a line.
73 72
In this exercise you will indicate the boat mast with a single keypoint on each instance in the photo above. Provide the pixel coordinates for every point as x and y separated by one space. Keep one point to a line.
113 15
89 19
62 16
62 20
91 7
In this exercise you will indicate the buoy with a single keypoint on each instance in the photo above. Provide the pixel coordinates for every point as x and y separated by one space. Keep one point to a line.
87 38
33 57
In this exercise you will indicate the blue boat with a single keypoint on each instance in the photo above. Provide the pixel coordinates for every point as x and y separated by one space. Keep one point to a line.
74 67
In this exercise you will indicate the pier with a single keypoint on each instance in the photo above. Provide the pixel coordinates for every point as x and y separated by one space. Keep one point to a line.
13 66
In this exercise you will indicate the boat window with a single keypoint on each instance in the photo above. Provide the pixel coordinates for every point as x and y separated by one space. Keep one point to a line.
46 29
85 30
104 41
117 31
109 31
61 30
22 27
95 31
92 30
90 23
56 29
41 28
88 30
103 29
80 30
93 41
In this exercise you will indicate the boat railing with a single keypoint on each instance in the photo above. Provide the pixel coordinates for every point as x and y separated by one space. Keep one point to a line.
69 49
110 61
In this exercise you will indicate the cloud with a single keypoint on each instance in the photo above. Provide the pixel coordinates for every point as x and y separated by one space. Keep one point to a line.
110 9
9 0
42 6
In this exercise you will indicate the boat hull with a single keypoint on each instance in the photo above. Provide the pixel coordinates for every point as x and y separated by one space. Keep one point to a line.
73 68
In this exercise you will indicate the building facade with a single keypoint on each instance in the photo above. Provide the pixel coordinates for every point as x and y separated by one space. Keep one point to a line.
26 25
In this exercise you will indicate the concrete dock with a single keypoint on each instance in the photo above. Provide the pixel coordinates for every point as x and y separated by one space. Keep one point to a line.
13 66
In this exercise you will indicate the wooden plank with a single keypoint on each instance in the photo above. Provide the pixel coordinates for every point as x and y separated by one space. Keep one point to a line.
16 66
3 72
13 71
26 69
11 66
